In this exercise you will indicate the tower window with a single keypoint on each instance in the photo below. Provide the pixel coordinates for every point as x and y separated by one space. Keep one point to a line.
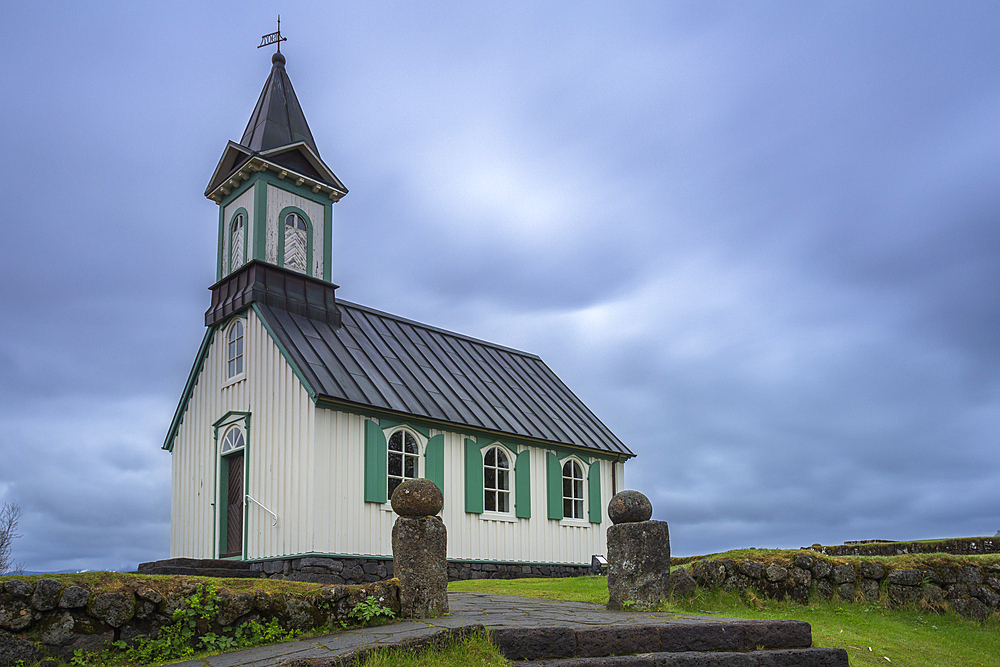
236 245
496 481
234 350
295 242
404 458
572 475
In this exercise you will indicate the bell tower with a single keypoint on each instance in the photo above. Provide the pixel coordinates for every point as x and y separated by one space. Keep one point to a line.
275 193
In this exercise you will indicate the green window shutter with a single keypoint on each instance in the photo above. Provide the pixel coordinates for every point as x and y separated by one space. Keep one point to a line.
553 472
522 485
473 477
376 464
434 460
595 492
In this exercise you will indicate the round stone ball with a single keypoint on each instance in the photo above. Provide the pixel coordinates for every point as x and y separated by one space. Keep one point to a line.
629 507
417 497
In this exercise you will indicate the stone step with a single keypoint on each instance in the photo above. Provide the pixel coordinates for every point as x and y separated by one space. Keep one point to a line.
794 657
698 643
674 637
200 567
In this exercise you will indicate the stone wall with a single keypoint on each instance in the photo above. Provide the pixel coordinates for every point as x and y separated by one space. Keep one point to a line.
47 617
959 546
969 589
324 570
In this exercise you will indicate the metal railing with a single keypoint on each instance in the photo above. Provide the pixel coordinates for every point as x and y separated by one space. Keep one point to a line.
274 522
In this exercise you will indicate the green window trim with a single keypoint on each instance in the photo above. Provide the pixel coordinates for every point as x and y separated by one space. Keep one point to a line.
434 461
309 236
553 475
246 238
594 493
473 477
376 464
522 485
387 424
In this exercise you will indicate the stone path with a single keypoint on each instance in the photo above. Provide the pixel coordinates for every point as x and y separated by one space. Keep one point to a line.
543 620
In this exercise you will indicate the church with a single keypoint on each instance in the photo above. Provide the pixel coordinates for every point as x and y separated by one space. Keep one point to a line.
303 412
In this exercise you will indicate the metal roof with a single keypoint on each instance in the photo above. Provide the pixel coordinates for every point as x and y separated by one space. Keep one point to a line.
378 360
277 120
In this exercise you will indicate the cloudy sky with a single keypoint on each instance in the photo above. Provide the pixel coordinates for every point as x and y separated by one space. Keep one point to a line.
760 240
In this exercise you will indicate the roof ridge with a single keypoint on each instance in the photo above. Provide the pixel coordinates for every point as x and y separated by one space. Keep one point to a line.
430 327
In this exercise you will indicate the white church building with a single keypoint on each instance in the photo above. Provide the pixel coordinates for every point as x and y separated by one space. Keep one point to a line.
303 412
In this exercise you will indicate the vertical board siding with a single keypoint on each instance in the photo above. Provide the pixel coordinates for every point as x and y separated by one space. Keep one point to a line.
278 454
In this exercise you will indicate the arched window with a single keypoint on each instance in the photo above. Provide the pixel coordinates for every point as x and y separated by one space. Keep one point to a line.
496 481
404 459
234 350
295 243
236 246
232 440
572 474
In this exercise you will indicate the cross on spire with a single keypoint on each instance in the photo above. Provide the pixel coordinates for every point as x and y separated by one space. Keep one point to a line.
273 37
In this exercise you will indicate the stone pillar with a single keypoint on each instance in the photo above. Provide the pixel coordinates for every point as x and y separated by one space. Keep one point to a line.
420 549
638 553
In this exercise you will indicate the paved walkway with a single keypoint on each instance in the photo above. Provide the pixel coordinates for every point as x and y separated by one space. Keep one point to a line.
467 609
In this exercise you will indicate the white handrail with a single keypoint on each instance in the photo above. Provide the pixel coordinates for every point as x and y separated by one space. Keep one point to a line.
275 521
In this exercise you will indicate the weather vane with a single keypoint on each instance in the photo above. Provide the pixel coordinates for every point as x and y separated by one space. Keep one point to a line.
274 37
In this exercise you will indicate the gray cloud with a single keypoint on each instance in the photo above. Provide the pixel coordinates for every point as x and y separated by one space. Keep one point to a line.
760 241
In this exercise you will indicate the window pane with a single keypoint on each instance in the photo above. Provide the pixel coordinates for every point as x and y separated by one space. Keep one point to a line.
578 509
501 459
396 441
568 508
490 501
411 444
568 469
491 456
489 478
411 467
395 464
503 502
239 365
567 487
503 481
578 489
393 483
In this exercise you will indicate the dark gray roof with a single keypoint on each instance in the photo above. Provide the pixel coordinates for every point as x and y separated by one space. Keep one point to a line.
377 360
277 120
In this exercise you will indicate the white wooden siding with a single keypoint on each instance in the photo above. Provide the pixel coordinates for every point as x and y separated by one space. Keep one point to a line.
347 525
278 456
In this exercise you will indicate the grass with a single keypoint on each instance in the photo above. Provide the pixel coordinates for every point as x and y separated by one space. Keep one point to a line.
116 581
871 634
475 650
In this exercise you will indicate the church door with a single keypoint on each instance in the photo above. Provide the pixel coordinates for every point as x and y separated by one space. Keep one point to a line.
234 507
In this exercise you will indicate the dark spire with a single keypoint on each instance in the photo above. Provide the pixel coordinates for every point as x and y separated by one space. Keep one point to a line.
277 120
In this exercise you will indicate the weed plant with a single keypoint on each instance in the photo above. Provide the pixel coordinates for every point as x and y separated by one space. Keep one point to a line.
475 650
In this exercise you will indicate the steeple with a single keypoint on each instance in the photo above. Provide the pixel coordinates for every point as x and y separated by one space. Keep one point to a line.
275 193
277 120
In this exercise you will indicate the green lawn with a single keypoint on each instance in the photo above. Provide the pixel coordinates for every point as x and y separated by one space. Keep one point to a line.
872 635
